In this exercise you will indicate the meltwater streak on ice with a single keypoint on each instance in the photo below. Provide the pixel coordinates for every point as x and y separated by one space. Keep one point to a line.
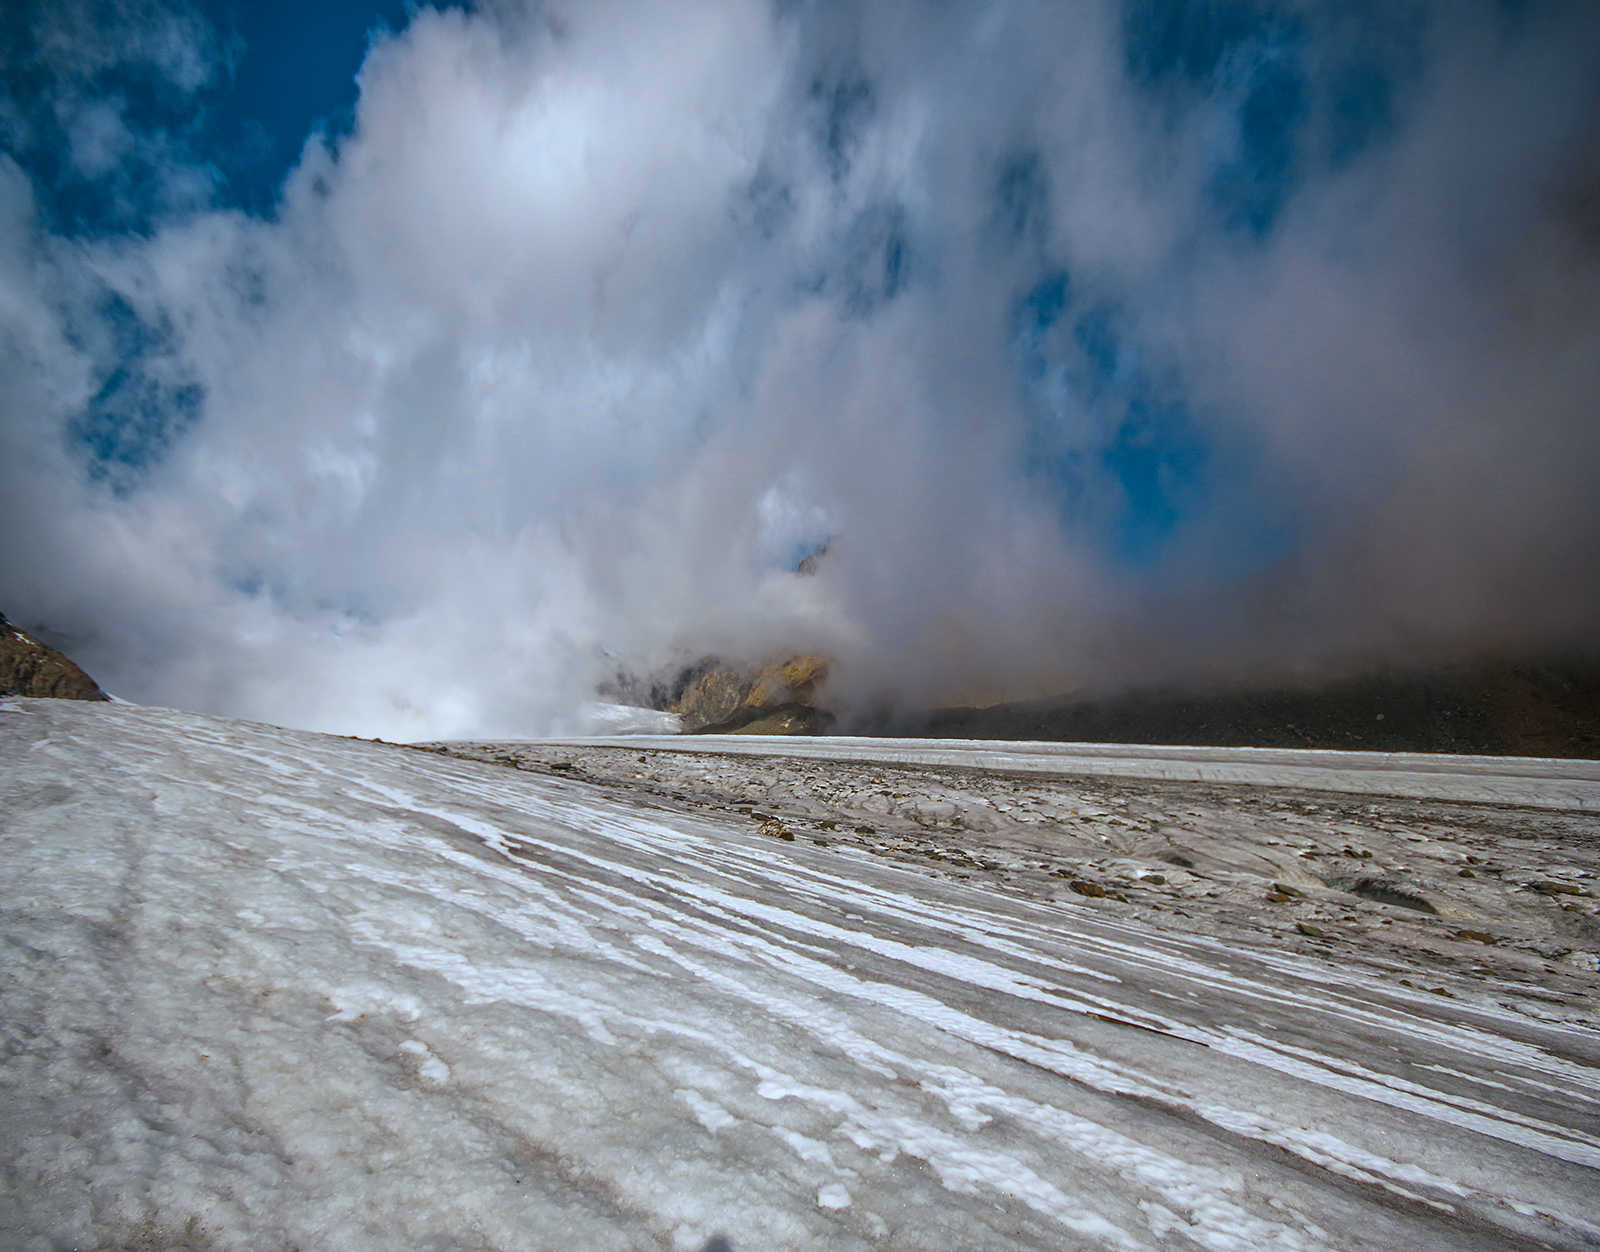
1322 1069
696 1029
961 1164
1579 1148
1146 953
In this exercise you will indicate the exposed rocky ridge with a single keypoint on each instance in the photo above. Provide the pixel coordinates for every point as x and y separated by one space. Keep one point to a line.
775 700
1550 710
31 668
714 696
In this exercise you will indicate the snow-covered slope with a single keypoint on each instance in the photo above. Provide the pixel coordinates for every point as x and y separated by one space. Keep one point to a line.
265 989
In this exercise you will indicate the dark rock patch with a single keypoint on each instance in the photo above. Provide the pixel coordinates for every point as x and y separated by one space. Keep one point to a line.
1387 891
1542 707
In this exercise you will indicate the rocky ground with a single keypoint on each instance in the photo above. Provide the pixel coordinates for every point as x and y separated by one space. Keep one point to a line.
1465 900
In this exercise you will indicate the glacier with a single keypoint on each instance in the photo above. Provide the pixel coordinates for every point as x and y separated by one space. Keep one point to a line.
265 989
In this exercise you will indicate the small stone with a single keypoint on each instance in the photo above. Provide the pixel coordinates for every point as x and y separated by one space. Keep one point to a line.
1475 936
1278 897
865 830
1465 873
1388 891
1285 889
1313 932
776 829
1159 880
1085 888
1555 888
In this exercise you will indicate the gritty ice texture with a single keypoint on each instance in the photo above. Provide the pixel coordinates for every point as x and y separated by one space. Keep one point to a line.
267 990
1531 781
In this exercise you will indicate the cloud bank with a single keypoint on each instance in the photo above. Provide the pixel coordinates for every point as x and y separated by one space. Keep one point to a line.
1092 345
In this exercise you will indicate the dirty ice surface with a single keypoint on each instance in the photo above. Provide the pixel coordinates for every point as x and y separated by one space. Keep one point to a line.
261 989
1531 781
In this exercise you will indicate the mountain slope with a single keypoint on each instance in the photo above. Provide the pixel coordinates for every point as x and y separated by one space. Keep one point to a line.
31 668
1549 710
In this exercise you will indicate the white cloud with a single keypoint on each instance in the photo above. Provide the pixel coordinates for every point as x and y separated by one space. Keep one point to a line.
536 372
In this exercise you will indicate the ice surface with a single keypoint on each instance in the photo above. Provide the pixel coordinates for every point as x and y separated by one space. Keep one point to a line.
1537 782
267 990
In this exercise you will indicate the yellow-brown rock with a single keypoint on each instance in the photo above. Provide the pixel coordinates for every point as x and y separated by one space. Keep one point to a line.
776 700
31 668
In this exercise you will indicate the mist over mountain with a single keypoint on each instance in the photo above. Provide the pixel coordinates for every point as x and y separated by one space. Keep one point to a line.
1093 347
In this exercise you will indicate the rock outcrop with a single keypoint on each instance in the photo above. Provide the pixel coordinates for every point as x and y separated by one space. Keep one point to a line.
718 698
31 668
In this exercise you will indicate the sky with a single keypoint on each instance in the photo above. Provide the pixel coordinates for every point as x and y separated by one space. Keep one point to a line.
418 371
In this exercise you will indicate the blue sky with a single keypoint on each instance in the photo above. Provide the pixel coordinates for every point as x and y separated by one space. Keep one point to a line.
295 72
278 71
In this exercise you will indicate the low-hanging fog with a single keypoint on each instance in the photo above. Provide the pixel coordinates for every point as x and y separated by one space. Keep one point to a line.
1092 345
